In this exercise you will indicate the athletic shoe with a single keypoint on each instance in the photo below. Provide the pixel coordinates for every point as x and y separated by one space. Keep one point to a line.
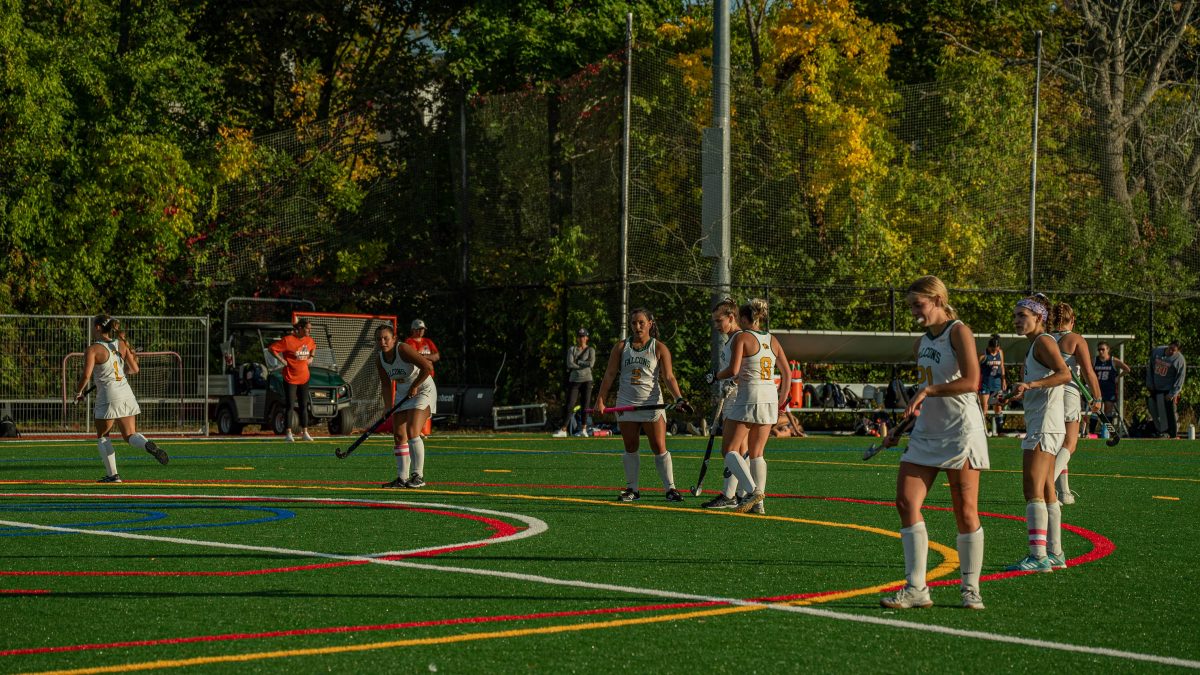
1067 498
907 598
305 435
971 598
398 483
629 495
674 496
1057 562
416 480
289 437
157 452
561 433
749 501
720 502
115 478
759 508
1031 564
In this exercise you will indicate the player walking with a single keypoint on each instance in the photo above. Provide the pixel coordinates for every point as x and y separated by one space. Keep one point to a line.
1045 430
108 362
641 361
754 354
406 374
1078 358
948 436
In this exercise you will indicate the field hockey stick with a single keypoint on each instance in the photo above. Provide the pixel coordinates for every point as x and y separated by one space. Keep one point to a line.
1114 435
631 408
712 435
83 394
905 425
367 434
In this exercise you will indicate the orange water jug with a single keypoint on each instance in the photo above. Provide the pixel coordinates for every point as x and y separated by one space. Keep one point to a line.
796 395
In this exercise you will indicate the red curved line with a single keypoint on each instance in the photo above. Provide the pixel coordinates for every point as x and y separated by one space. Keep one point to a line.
23 591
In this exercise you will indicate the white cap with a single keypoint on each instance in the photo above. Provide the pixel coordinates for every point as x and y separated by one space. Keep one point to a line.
417 324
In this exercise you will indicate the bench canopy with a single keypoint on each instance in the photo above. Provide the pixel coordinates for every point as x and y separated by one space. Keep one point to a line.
831 346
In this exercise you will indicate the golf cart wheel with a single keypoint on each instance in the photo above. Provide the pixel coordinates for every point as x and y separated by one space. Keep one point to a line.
342 423
227 421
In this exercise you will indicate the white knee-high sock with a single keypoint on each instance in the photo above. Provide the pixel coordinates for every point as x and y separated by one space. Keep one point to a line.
1036 523
740 468
1060 470
632 464
416 447
731 484
970 557
758 471
138 441
107 455
403 457
1054 528
666 470
916 553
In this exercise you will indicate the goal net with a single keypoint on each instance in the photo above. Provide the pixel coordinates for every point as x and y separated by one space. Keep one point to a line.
346 344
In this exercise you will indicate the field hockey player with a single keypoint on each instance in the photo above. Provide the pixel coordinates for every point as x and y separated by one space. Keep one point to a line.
412 375
948 436
1075 353
640 361
754 355
1045 432
724 319
109 362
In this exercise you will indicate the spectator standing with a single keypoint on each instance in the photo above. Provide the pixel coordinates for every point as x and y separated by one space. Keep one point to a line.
296 351
424 346
580 359
1164 378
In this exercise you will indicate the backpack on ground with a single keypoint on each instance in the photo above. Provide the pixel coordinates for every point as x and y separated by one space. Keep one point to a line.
896 395
8 428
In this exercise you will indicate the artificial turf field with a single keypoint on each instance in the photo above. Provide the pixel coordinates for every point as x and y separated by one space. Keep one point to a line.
261 556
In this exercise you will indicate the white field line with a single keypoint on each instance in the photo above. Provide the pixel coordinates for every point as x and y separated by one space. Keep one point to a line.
648 592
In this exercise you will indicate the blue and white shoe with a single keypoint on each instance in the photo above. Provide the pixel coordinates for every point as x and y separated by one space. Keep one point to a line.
1031 564
1057 562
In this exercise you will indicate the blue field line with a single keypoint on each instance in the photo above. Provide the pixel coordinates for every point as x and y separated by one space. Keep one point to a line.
276 514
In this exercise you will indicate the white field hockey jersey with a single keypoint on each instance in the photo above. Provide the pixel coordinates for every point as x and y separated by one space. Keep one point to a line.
1072 363
944 416
402 373
1043 407
112 384
756 377
639 375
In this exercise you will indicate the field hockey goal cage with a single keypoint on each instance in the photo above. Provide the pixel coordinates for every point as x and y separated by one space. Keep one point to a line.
42 356
346 345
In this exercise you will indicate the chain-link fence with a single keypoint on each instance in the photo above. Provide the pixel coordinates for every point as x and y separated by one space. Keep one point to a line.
41 361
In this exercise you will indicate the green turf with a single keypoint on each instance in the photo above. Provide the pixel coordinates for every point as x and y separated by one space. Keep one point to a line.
1138 599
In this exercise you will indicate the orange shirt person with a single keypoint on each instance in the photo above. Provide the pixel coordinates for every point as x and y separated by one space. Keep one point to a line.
424 346
296 351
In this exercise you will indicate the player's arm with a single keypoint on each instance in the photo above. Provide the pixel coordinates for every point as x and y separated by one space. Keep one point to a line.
785 374
385 385
434 355
1003 377
1123 368
1084 358
412 356
735 358
610 372
130 357
667 370
89 364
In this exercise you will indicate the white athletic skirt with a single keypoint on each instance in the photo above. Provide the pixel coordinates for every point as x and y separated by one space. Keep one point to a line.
641 415
425 398
115 410
1050 443
753 413
1071 403
949 452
